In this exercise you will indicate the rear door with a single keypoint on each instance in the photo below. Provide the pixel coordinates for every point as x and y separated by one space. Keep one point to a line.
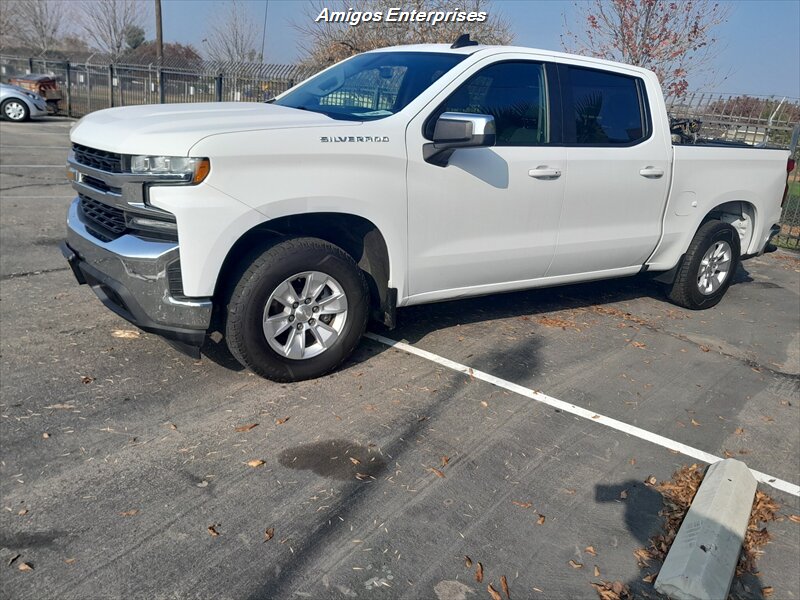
619 173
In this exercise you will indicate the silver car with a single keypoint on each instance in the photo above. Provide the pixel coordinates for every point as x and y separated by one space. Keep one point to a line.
17 104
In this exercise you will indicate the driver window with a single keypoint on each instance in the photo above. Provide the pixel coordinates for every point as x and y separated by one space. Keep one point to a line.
514 93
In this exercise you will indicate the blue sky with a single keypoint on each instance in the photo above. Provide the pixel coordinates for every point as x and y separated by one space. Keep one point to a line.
759 45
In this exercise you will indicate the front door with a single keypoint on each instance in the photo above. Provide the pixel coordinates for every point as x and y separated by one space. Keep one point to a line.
491 216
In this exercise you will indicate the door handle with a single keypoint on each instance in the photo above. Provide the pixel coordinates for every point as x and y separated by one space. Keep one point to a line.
651 172
544 172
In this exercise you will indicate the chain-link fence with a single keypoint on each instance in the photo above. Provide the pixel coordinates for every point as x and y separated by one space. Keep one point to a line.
92 85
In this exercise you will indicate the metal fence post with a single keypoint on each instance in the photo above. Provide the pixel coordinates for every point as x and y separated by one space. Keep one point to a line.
161 81
68 77
218 85
111 85
30 64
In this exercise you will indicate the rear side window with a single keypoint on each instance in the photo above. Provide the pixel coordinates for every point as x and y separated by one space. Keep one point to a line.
606 108
514 93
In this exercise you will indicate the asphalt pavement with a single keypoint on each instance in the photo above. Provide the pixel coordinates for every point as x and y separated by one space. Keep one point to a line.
131 471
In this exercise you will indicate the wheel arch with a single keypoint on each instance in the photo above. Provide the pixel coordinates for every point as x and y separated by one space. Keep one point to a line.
356 235
742 215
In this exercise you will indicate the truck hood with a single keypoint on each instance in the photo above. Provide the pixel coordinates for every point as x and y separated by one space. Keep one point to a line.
172 129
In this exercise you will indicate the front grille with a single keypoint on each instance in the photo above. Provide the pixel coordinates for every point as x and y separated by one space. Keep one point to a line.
110 218
100 185
98 159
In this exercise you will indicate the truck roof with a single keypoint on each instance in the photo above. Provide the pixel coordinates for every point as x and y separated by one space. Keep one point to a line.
488 50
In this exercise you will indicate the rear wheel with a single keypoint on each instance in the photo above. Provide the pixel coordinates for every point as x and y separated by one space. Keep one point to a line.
708 267
298 311
15 110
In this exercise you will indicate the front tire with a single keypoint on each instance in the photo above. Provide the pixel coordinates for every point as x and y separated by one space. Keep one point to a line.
15 110
298 311
708 267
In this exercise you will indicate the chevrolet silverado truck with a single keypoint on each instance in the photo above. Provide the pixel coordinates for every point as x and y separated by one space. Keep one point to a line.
397 177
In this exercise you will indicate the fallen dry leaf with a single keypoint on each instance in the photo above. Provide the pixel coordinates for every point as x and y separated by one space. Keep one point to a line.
767 591
281 421
69 561
642 557
575 565
355 461
596 571
436 472
651 480
705 348
23 512
87 379
362 476
25 566
479 573
590 550
126 334
493 593
269 533
444 460
243 428
213 531
623 494
794 518
695 423
467 562
256 462
521 504
612 591
569 491
484 404
504 585
45 435
540 520
739 430
639 345
129 513
650 578
172 426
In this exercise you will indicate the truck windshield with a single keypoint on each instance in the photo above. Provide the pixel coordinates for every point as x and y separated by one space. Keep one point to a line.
370 86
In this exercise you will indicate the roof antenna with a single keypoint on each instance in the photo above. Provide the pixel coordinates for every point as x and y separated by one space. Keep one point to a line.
462 41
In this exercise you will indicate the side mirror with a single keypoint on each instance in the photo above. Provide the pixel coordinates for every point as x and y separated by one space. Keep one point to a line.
458 130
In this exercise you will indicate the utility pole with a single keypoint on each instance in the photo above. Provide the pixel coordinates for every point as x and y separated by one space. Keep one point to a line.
159 34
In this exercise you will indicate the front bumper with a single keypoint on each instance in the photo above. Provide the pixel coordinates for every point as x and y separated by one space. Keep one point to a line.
130 276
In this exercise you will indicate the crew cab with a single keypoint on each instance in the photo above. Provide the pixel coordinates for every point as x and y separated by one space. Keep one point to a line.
397 177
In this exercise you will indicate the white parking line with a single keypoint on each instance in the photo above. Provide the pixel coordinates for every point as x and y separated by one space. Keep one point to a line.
7 147
33 166
654 438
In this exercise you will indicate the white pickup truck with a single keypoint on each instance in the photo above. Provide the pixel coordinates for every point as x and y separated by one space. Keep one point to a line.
402 176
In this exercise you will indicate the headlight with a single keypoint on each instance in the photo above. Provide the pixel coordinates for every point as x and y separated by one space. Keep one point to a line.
31 95
192 170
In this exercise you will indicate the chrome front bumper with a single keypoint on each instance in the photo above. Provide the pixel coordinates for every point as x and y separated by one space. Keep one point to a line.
130 276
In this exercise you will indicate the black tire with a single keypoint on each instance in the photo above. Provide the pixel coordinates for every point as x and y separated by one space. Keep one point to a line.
245 308
685 290
26 113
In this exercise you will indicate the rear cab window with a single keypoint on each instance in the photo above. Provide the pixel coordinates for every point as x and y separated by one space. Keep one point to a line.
603 108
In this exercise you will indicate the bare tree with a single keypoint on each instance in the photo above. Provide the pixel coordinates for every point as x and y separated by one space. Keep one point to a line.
233 35
107 24
325 43
673 39
33 24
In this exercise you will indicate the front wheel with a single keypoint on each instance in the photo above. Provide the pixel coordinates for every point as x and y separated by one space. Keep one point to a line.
15 110
298 311
708 267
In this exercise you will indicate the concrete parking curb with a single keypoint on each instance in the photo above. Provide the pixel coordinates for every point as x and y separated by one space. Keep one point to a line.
702 560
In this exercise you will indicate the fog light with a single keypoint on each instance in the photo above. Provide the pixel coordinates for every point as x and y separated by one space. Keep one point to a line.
145 223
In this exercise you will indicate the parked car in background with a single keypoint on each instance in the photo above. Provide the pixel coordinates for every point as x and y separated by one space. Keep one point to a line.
44 85
17 104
